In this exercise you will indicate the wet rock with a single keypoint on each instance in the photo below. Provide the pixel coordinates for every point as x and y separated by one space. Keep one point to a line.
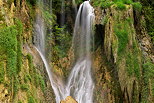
69 99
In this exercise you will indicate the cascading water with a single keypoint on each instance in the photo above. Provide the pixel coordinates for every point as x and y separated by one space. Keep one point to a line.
40 47
80 84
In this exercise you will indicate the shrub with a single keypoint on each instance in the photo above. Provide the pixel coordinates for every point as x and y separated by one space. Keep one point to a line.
107 4
103 3
120 6
127 1
137 6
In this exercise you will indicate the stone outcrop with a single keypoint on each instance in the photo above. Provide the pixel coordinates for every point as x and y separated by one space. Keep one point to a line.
68 99
124 65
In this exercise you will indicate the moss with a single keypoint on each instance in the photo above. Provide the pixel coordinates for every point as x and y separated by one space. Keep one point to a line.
137 6
8 41
9 44
127 1
31 99
24 87
30 61
148 75
11 63
132 64
36 79
39 81
1 72
120 6
148 12
19 44
27 78
105 20
122 34
125 34
42 83
16 86
103 3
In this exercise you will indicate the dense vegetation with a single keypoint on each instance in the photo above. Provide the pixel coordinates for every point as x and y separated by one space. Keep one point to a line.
20 74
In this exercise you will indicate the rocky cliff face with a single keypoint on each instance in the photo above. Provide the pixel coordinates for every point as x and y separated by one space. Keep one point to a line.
123 59
22 77
119 65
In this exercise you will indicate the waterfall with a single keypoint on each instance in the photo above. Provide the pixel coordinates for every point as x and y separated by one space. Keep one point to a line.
80 84
39 41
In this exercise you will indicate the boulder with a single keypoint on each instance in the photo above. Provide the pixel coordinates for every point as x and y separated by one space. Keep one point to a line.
69 99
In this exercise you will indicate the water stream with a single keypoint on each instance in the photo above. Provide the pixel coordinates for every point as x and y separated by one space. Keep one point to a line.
80 84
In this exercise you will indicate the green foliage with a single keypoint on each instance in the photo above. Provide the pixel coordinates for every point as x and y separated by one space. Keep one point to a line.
31 99
24 87
1 72
27 78
148 72
39 81
120 6
127 1
137 6
36 80
30 61
122 34
148 11
16 86
11 63
42 83
103 3
119 3
132 65
49 18
124 1
149 69
62 41
105 20
8 41
19 27
8 38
